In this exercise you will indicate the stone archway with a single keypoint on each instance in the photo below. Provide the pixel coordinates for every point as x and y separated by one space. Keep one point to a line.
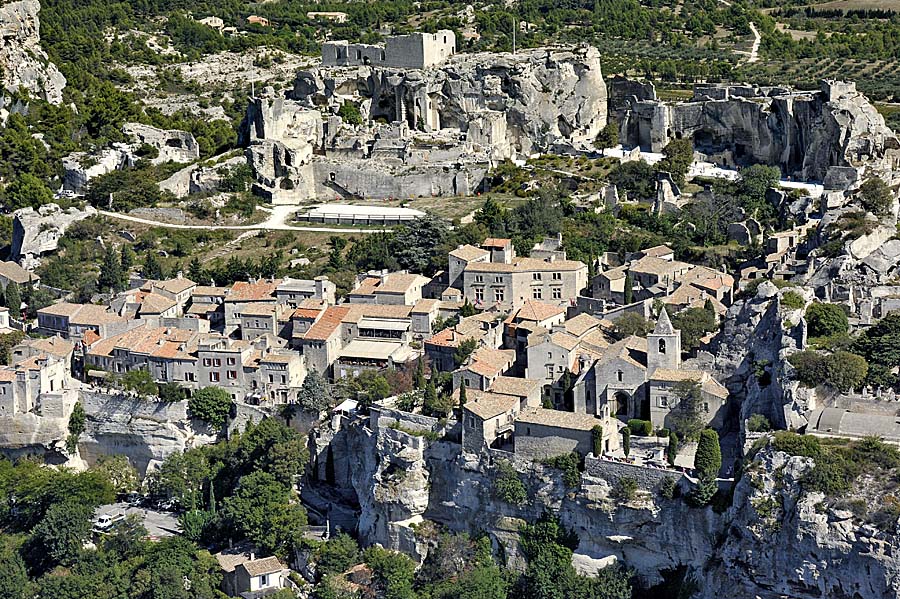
622 403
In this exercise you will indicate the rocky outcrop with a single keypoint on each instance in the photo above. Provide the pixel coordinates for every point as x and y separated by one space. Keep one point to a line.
779 543
37 232
197 178
145 431
80 168
428 132
171 145
805 134
23 63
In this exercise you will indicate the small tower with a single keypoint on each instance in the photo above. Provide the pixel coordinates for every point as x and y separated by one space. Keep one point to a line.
663 345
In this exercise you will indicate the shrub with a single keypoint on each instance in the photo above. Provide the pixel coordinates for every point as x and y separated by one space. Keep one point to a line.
667 487
568 463
845 371
825 320
757 423
810 367
662 433
794 444
876 196
350 113
642 428
792 300
508 486
625 489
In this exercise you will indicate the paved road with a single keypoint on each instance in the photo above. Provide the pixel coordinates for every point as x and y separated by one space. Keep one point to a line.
158 524
276 222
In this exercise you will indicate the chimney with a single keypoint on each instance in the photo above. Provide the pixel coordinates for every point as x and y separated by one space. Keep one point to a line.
252 556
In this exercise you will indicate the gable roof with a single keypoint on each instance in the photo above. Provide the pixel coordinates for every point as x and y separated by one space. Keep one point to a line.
469 252
536 311
15 273
327 324
488 405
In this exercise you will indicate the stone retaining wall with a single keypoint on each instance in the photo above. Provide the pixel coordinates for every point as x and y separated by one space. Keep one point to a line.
647 478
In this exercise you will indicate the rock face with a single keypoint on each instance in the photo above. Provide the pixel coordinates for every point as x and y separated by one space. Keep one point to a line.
145 431
23 62
805 134
200 179
770 543
80 167
779 544
37 232
173 145
428 132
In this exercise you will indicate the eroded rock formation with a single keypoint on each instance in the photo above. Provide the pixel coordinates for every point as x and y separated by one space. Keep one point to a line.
23 63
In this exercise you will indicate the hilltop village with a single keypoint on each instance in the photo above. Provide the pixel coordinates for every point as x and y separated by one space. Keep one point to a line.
645 397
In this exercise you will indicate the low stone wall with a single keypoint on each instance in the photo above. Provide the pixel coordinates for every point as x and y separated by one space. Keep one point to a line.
381 416
647 478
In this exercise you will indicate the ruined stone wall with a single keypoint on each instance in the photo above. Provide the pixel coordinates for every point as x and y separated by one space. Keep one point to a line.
612 472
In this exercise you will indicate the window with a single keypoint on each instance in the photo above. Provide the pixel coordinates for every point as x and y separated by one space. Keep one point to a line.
498 279
560 368
271 378
479 294
557 293
479 279
189 376
705 407
232 374
283 379
217 362
549 355
549 371
662 346
207 362
498 295
536 293
536 276
663 401
214 377
230 361
620 376
557 276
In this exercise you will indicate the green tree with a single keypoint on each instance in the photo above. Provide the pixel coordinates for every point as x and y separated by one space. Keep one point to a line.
678 157
630 324
63 530
152 268
686 419
672 449
337 554
629 291
876 196
626 440
708 459
419 376
14 300
465 349
694 324
825 320
315 395
119 472
139 381
508 486
261 511
26 190
127 259
350 113
845 371
492 216
112 278
14 582
597 440
462 394
393 573
212 405
467 309
608 136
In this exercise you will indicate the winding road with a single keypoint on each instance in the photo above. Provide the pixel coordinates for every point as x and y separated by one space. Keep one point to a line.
276 222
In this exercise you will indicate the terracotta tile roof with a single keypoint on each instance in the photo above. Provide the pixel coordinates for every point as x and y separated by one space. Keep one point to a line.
489 267
202 309
448 338
55 346
425 306
530 264
395 282
668 375
208 290
489 405
469 253
657 251
242 291
564 340
581 324
308 313
356 312
658 266
511 385
258 310
631 350
90 337
154 303
161 342
61 309
614 274
175 285
708 278
7 374
15 273
483 368
715 388
558 419
496 242
267 565
538 311
82 313
328 323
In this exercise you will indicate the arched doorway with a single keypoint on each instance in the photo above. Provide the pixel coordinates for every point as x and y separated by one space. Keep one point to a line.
621 401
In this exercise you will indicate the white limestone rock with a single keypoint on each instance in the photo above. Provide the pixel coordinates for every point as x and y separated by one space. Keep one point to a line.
37 232
23 63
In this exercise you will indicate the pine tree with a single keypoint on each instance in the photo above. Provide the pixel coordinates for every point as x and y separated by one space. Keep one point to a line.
462 394
127 258
195 271
14 300
314 395
431 395
111 275
152 268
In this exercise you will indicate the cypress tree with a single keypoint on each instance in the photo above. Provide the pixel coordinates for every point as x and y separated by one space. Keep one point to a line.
419 376
626 440
672 449
462 394
597 439
629 292
708 459
14 300
111 275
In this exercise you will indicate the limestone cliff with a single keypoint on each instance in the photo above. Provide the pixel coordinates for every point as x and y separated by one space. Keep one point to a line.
23 63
